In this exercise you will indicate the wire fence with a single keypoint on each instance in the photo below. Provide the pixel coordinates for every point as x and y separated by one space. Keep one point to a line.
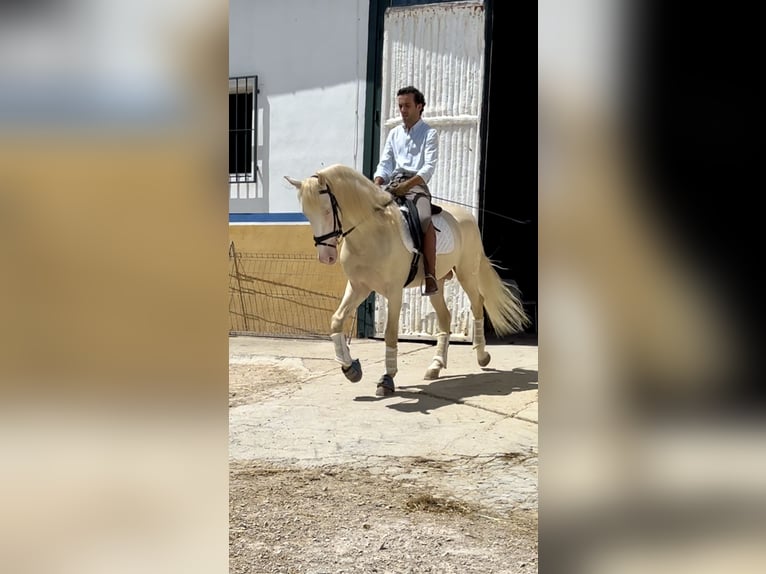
283 295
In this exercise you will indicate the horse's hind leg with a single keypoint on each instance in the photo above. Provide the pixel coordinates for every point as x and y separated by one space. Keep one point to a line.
443 316
471 287
352 298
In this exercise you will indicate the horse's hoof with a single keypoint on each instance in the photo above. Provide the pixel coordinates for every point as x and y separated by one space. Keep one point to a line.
353 372
434 369
431 374
484 360
385 386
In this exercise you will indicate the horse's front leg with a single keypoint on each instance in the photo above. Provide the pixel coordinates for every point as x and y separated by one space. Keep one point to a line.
352 298
386 382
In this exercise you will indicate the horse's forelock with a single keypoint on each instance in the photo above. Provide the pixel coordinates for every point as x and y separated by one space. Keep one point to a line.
308 194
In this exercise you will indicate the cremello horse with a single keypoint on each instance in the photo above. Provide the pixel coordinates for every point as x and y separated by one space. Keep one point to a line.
356 222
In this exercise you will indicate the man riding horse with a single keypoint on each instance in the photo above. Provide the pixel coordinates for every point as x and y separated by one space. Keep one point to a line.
407 163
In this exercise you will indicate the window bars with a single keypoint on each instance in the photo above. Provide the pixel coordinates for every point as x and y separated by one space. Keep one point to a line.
243 130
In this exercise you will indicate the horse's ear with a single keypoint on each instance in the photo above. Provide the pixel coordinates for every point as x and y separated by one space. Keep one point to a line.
321 181
297 183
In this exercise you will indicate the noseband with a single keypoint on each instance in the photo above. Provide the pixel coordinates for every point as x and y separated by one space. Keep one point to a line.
337 226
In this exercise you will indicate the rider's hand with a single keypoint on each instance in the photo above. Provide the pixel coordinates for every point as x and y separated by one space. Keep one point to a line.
397 189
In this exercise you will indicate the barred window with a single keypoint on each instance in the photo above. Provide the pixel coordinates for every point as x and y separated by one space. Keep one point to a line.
243 98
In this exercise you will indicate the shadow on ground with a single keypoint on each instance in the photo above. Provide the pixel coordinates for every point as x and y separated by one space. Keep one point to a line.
429 396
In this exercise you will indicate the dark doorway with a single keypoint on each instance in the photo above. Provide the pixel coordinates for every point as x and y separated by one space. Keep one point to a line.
508 216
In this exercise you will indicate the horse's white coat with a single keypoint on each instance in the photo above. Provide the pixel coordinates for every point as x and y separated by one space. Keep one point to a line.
354 218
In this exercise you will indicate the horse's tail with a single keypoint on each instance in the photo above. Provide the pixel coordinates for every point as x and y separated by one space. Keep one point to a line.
503 306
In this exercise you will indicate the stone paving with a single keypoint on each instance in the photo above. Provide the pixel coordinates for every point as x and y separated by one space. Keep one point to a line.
471 435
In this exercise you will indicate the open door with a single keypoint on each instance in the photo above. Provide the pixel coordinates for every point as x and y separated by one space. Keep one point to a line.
438 48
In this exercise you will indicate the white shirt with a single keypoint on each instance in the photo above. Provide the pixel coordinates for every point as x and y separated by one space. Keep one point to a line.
413 151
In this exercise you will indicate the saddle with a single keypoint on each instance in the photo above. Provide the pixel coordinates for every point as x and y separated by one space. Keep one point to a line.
410 212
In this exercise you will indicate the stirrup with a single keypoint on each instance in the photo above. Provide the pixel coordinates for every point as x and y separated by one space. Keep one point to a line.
425 291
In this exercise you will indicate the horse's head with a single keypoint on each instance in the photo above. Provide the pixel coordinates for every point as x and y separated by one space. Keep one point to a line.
320 208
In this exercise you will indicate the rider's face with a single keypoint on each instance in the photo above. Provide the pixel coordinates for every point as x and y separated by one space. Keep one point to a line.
409 110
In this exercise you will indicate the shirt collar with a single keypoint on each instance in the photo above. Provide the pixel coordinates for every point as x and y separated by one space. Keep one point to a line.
415 125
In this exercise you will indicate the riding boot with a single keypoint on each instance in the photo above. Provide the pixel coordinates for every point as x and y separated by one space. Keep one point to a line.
429 260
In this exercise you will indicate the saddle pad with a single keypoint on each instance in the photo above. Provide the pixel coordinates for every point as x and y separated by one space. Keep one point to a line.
445 238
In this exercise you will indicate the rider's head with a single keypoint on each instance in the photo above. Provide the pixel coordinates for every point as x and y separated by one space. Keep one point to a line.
411 103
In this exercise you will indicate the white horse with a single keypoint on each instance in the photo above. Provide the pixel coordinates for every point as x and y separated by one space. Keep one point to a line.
357 223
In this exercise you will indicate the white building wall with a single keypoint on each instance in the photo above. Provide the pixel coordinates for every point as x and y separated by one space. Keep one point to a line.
310 57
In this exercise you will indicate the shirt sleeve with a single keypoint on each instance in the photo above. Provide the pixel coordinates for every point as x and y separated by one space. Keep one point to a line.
430 155
386 164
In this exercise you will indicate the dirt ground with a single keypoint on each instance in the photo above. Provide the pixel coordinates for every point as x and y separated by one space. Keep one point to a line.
425 516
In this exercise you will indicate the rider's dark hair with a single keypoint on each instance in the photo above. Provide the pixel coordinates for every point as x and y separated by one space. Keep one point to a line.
418 95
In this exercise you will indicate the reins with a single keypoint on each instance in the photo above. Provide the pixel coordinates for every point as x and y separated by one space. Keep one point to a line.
337 225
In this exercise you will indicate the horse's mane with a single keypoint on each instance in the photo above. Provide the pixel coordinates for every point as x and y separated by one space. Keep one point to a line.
356 194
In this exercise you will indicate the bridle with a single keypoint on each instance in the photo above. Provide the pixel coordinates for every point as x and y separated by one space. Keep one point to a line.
337 226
